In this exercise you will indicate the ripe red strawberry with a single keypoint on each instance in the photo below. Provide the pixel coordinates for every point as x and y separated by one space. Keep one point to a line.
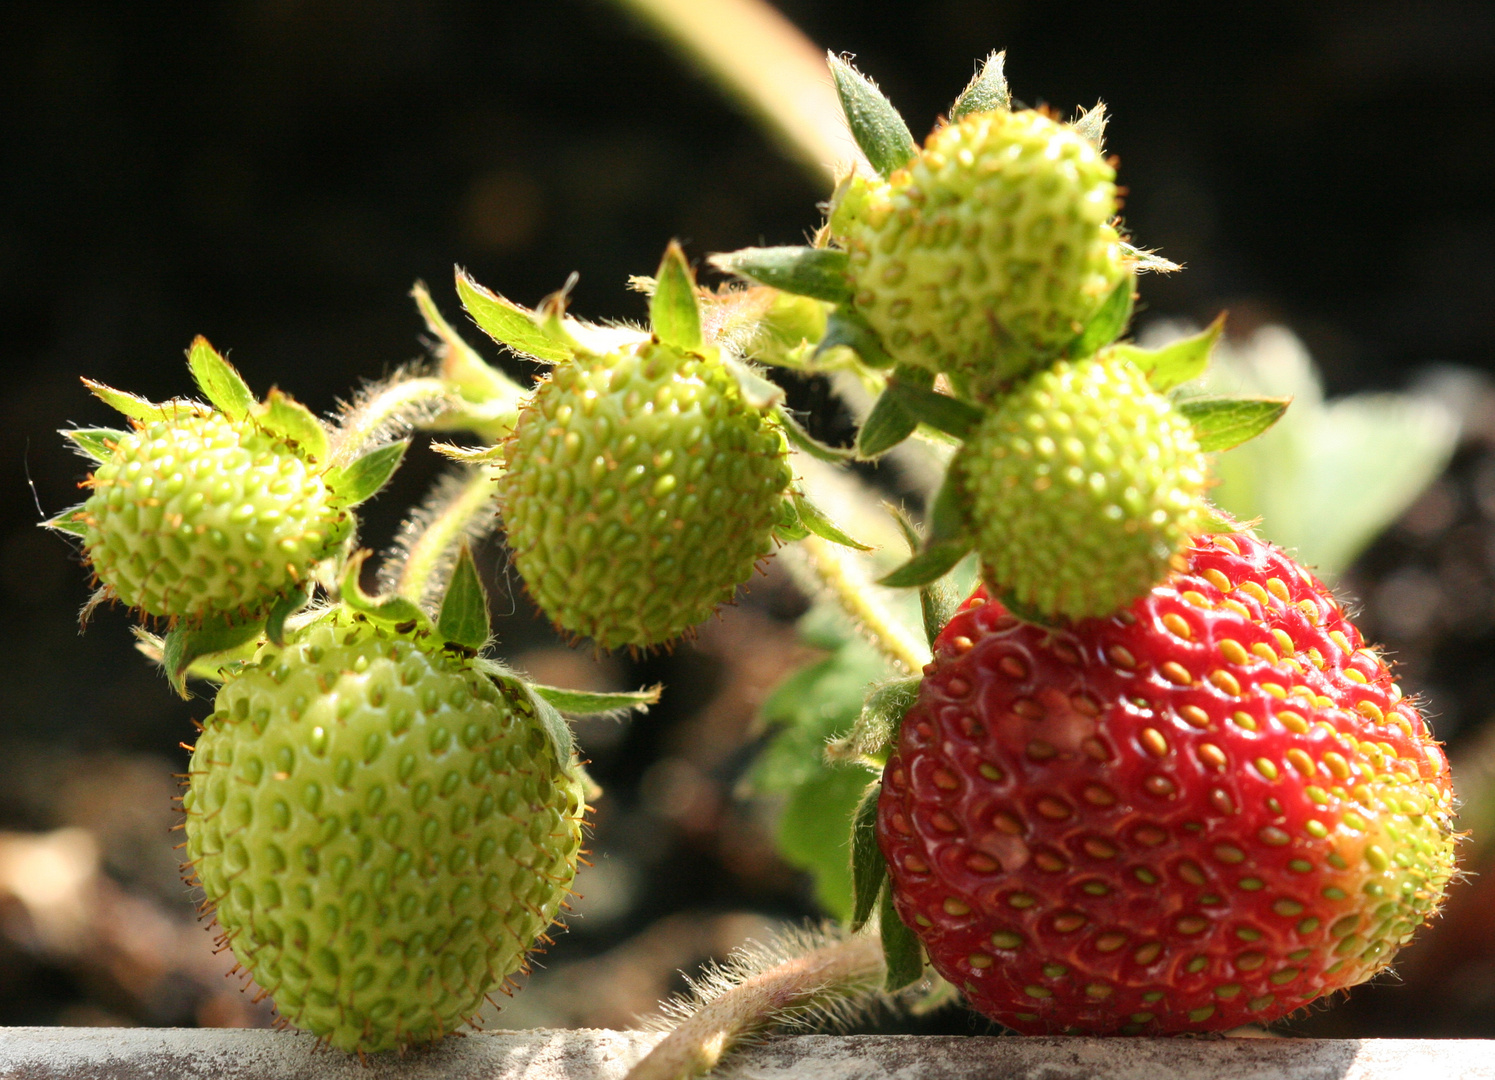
1204 811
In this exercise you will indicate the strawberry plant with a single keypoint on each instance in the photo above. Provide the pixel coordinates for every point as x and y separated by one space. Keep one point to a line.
1146 778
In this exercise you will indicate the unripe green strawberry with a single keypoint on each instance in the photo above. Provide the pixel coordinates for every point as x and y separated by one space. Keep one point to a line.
1080 488
383 829
989 251
1206 810
194 514
640 490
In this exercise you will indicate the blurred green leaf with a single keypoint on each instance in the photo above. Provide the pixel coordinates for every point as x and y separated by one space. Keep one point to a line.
820 273
987 91
876 126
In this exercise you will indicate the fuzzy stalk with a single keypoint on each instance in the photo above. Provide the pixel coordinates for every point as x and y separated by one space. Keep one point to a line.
807 983
829 568
400 404
459 508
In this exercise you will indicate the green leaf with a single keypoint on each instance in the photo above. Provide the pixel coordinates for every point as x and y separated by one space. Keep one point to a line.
95 443
846 327
1178 362
673 310
900 948
283 415
596 703
283 609
887 425
814 829
183 645
939 411
218 380
463 618
947 543
1092 125
762 394
801 439
1220 423
938 599
389 610
868 869
788 528
68 522
551 722
137 408
1109 321
362 478
815 519
874 123
507 323
820 273
987 91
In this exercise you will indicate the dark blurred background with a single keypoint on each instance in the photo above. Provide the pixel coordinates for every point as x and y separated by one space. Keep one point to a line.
275 176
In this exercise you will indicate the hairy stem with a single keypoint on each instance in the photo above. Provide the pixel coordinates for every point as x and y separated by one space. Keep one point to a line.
430 539
841 573
398 403
842 969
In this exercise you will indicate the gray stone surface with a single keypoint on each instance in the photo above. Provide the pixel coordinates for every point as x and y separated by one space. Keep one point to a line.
183 1054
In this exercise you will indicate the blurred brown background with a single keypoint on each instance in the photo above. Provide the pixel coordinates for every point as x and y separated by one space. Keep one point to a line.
275 175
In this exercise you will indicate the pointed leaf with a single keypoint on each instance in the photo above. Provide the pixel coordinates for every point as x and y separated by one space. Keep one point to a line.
806 271
464 610
844 326
875 124
931 564
887 425
788 528
362 478
284 608
590 703
673 311
551 721
1220 423
68 521
939 411
987 92
801 439
1109 321
938 602
1092 125
1177 362
95 443
283 415
209 668
389 610
506 322
136 408
184 644
815 519
760 393
900 948
218 381
868 869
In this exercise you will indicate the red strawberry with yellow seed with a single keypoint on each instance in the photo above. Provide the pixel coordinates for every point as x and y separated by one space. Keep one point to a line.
1206 810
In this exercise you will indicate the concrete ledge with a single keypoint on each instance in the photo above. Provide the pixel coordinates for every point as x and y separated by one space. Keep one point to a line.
209 1054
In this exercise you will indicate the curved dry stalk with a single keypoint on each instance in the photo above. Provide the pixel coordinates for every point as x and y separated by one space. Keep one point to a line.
745 998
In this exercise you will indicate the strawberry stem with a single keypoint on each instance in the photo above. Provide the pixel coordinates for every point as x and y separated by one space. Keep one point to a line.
459 508
842 574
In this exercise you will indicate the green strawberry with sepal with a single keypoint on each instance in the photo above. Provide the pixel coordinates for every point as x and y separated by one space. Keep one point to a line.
211 515
383 822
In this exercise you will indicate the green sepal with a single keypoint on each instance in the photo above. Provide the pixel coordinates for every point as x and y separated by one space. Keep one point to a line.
1220 423
472 455
589 703
476 379
1145 261
67 522
209 668
820 273
392 610
1176 363
940 411
762 394
283 415
868 869
506 322
1092 125
845 326
284 608
877 724
875 125
551 722
362 478
1022 611
219 382
97 444
987 91
1109 321
463 618
788 528
889 423
183 644
816 520
938 599
674 312
801 439
133 406
900 948
947 543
